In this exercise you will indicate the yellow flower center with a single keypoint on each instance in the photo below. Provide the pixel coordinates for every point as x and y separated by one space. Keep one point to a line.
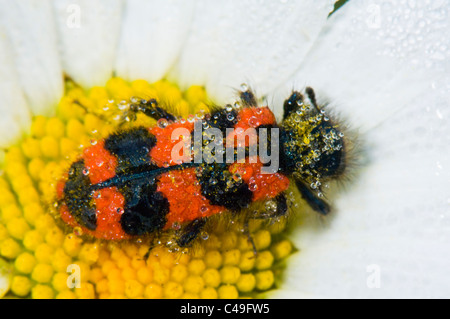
41 260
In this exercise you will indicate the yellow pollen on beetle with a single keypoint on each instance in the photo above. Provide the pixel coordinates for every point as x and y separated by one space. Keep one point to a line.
41 258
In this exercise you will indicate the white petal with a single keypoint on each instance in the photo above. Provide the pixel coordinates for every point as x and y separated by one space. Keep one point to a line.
15 115
258 42
153 33
30 27
89 34
5 277
384 63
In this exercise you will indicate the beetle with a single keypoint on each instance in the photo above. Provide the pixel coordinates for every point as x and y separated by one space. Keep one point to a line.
129 185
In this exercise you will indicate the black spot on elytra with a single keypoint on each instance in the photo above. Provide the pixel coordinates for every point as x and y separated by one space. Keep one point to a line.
145 209
219 187
78 198
132 149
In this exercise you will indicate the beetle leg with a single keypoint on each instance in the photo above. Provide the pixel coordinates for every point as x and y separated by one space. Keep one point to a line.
190 232
317 204
148 107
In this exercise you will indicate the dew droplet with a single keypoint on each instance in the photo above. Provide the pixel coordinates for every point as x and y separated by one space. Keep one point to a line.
252 186
123 105
230 117
237 177
253 121
176 225
134 99
239 130
271 206
204 235
178 180
162 123
77 231
96 194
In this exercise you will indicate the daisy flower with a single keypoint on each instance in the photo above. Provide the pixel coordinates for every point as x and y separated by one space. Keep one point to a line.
383 65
